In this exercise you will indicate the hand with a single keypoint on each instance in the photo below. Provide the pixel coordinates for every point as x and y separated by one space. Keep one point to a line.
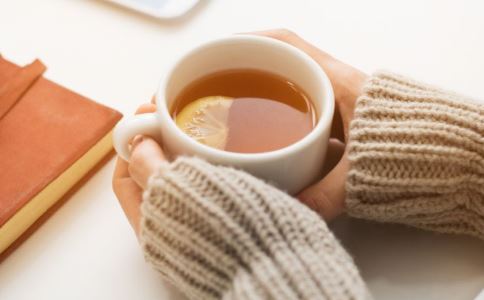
327 196
129 179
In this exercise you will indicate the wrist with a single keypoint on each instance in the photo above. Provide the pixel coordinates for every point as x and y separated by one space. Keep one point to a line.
348 86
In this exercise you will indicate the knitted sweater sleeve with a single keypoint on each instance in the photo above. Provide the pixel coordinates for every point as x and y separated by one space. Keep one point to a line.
217 232
417 157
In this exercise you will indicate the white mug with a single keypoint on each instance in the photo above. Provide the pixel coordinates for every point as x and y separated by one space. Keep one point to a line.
291 168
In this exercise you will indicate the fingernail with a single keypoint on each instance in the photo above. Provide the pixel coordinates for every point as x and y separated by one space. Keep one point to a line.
136 140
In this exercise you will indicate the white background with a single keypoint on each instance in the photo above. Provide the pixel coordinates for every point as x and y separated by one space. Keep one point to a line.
87 249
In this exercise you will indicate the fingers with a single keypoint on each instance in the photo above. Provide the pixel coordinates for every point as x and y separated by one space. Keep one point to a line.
129 179
146 158
121 168
127 190
338 130
145 108
348 92
129 195
291 38
335 152
327 196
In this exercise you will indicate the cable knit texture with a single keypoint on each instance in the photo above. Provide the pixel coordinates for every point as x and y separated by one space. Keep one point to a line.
219 233
417 157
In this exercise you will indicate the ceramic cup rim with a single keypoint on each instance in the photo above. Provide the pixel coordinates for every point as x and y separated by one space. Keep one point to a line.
323 122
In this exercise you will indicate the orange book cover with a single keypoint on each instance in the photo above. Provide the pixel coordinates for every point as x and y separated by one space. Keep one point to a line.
50 137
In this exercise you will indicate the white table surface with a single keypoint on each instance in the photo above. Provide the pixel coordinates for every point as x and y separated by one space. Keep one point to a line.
87 250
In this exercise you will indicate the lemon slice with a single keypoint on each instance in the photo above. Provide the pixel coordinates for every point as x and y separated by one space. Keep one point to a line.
205 120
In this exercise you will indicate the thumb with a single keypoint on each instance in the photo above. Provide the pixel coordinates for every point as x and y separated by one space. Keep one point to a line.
327 196
146 158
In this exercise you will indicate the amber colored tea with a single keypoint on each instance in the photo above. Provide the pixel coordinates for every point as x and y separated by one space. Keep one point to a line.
245 111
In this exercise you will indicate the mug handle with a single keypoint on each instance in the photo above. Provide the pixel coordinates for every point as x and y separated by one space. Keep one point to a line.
131 126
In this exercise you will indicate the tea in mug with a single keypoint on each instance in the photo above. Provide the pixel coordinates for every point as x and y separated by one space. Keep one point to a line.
245 111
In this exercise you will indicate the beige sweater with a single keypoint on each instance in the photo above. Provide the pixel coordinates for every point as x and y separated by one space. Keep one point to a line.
417 157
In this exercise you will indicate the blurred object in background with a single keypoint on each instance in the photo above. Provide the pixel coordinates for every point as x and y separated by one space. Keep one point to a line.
163 9
480 296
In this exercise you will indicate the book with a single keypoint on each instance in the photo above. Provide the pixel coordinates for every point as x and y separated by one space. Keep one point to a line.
50 138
